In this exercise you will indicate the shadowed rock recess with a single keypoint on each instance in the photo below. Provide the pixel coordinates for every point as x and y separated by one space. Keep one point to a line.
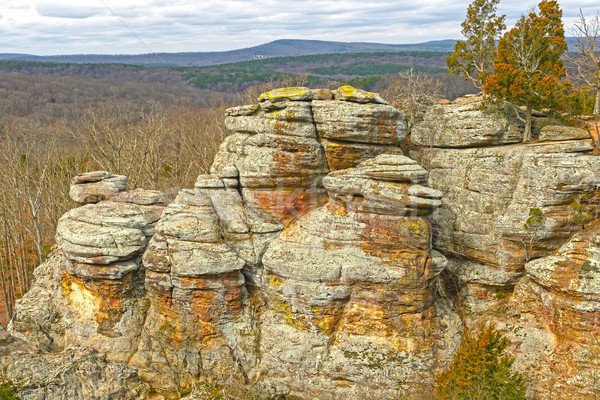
304 266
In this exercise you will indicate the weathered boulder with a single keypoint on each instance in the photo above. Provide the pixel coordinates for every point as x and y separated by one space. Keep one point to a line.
92 187
110 231
351 288
463 124
559 132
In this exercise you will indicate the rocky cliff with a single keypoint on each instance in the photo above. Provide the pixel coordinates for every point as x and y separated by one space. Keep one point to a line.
314 260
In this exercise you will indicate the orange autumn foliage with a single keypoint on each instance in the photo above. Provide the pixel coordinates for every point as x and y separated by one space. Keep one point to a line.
528 70
480 371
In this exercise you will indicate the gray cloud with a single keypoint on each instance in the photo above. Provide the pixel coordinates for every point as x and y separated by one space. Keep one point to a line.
140 26
57 10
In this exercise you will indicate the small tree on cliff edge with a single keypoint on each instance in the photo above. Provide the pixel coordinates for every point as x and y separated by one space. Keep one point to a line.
480 371
474 57
528 69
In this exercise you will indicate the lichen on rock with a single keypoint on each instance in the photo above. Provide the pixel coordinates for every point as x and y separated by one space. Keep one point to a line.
316 260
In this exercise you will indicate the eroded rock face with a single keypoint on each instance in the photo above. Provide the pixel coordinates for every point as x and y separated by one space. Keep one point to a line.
303 263
204 265
553 320
197 291
490 193
91 288
78 373
282 147
506 210
350 288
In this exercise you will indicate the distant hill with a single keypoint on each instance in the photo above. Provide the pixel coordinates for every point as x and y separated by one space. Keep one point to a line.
278 48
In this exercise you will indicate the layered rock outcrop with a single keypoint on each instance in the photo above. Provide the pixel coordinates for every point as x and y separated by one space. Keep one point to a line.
183 291
303 264
75 374
508 210
351 288
92 287
489 193
553 320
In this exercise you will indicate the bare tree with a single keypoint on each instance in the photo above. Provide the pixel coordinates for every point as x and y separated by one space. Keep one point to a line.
26 171
587 61
412 93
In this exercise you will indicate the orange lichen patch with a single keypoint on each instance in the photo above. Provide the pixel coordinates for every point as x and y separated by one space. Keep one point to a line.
301 157
102 300
286 203
366 319
593 127
384 128
282 127
342 155
211 296
362 319
392 233
576 326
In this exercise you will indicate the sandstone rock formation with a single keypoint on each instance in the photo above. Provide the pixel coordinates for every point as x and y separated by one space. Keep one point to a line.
553 320
202 310
546 304
351 288
489 193
79 373
90 290
303 264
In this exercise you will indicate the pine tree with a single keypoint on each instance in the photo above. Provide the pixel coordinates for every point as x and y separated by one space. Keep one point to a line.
480 371
474 57
528 70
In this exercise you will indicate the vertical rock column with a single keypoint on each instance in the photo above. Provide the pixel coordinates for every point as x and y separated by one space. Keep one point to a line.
102 281
275 155
196 288
351 287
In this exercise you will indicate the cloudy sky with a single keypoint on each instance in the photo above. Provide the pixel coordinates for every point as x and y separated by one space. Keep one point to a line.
46 27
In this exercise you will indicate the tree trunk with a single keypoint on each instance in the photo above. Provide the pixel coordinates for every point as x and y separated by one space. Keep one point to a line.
5 292
528 123
597 104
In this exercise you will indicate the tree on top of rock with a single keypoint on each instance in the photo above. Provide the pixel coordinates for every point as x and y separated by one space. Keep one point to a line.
474 57
528 70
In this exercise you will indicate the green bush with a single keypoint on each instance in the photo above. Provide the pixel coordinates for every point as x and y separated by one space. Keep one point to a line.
481 371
